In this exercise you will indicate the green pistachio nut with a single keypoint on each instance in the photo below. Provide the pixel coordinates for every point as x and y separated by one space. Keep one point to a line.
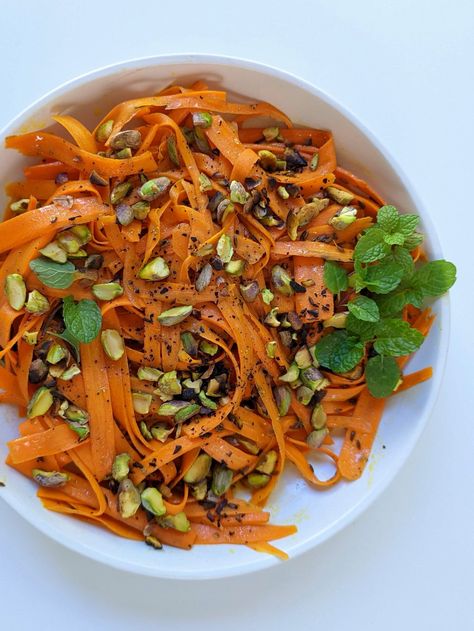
112 343
291 374
130 138
103 131
171 408
141 210
282 192
313 164
271 133
224 248
204 278
340 196
271 318
250 291
51 479
160 432
316 438
206 402
172 150
281 281
304 395
268 160
37 303
19 206
318 417
124 214
155 269
187 412
107 291
56 353
152 501
344 218
175 315
54 252
235 268
123 154
119 192
70 373
199 470
128 499
271 348
153 542
205 250
208 348
313 379
30 337
200 140
69 242
282 395
202 119
238 194
152 189
199 490
178 522
97 180
267 462
147 373
120 467
302 216
338 321
82 233
258 480
224 209
145 432
169 384
267 296
141 402
221 479
15 291
205 183
39 403
312 352
189 343
303 358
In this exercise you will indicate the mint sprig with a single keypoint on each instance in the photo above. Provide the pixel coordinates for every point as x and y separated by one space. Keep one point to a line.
83 319
385 272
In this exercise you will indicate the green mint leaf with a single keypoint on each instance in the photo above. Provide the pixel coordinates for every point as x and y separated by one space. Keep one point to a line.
364 330
339 351
335 277
435 278
83 319
382 375
383 277
407 224
387 218
396 238
393 303
403 257
364 308
52 274
413 241
371 246
396 337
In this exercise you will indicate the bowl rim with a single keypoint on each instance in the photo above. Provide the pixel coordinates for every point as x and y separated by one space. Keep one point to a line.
261 562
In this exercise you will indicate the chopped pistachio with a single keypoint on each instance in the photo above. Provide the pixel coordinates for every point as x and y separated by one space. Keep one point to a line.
312 352
221 479
200 140
271 348
312 378
267 462
103 131
145 432
202 119
224 209
175 315
141 210
171 408
344 218
267 296
69 242
208 348
271 133
54 252
153 542
82 233
208 403
268 160
152 189
282 396
213 388
156 269
303 358
56 353
119 192
129 499
258 480
199 470
120 467
316 438
187 412
250 291
179 522
205 250
112 343
281 165
302 216
313 165
70 372
224 248
340 196
75 413
38 371
160 432
338 321
304 395
30 337
131 138
281 281
146 373
124 214
204 277
80 254
235 268
199 490
282 192
271 318
205 183
97 180
39 403
169 384
172 150
189 343
55 370
152 501
238 194
20 206
318 417
15 290
291 374
107 291
141 402
50 479
37 303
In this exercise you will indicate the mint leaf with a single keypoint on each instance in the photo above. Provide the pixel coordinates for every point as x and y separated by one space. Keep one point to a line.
392 304
52 274
435 278
413 241
407 224
396 337
382 375
339 351
403 257
364 330
371 246
83 319
387 218
396 238
383 277
335 277
364 308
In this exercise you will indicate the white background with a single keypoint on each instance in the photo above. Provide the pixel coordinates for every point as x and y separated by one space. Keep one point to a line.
405 69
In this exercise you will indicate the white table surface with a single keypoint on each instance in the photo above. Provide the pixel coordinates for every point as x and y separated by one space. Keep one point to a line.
403 67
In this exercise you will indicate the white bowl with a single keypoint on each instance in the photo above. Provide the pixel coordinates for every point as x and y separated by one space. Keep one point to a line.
317 514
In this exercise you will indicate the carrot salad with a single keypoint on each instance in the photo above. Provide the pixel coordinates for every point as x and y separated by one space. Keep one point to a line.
194 295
